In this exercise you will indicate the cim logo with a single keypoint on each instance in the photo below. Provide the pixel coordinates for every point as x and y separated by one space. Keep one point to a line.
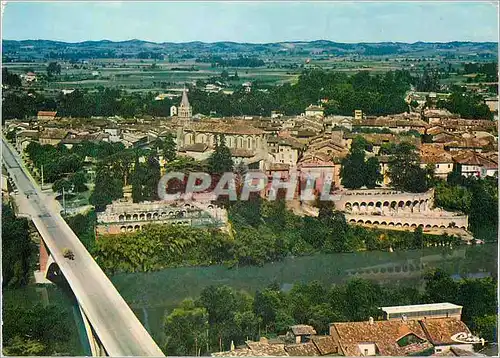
467 338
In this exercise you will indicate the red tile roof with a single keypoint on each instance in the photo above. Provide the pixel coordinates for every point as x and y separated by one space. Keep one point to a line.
440 330
384 334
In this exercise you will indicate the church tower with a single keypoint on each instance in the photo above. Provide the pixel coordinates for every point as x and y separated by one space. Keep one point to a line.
184 112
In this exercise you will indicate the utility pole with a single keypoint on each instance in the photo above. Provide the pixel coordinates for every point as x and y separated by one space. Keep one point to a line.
64 202
42 176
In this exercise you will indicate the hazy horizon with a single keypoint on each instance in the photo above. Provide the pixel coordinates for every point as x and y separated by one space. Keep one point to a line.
252 22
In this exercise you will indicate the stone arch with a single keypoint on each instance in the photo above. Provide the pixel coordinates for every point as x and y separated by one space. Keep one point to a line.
360 221
368 222
408 204
386 205
170 213
442 227
123 228
189 139
130 228
347 207
128 217
371 206
137 227
142 216
121 218
416 205
401 205
362 206
187 206
148 216
355 207
163 214
391 224
376 223
352 221
383 223
413 225
155 215
399 225
394 205
463 227
428 226
135 217
378 204
435 226
210 207
406 225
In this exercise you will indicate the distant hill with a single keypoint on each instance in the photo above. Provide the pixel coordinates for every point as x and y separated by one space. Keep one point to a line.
47 49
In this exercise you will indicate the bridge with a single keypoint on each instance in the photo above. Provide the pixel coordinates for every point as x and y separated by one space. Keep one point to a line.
112 327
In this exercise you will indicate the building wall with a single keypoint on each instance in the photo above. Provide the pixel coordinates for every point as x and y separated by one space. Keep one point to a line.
122 217
367 349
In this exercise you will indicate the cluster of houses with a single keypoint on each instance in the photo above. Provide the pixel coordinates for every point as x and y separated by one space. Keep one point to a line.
416 330
310 144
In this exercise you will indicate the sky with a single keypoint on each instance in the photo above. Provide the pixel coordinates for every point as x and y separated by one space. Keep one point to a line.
256 22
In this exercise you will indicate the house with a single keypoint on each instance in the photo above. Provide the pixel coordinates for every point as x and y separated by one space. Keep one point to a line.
198 151
385 338
314 111
316 346
492 103
114 133
434 154
25 137
331 122
30 77
397 123
285 150
436 115
469 163
403 337
432 310
447 333
460 144
52 136
302 332
46 115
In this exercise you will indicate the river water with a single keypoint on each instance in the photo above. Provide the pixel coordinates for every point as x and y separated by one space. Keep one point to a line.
151 295
154 294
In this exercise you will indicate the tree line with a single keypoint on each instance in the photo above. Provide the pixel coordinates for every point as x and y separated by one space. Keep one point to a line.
221 314
374 94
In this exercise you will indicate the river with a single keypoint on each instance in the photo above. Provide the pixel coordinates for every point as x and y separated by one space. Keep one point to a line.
151 295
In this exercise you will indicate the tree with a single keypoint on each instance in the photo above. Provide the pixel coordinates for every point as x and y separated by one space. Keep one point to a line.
107 188
355 171
169 148
405 171
220 160
79 182
186 330
418 238
363 300
10 79
136 180
61 185
17 249
53 69
440 287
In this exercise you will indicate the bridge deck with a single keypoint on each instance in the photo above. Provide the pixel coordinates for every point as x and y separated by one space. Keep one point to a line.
119 330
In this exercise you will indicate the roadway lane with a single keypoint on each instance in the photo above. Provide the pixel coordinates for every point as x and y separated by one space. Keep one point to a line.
117 327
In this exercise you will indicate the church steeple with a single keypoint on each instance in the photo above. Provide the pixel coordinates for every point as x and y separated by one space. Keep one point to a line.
185 111
184 101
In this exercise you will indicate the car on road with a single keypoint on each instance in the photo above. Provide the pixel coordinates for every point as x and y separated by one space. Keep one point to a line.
68 254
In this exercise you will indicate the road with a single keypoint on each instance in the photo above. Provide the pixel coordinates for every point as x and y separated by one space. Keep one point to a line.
119 330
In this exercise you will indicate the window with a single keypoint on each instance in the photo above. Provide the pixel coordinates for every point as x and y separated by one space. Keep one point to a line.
366 352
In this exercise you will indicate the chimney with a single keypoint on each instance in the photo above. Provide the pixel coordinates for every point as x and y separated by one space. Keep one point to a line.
404 318
370 321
